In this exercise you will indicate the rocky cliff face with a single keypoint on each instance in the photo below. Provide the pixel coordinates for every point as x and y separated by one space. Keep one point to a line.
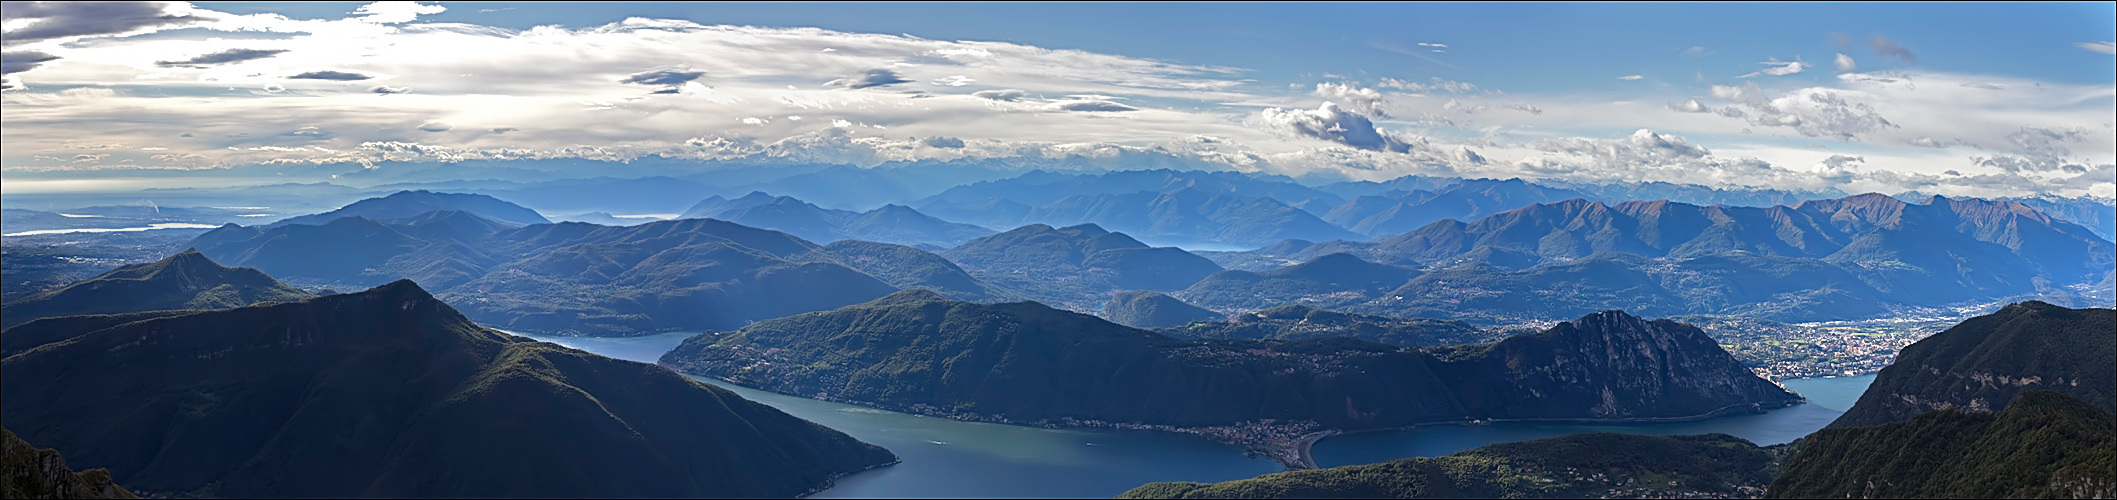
28 472
1984 362
1613 364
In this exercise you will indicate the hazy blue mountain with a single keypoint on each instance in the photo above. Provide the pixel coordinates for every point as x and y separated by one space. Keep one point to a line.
1040 187
406 204
1328 281
1982 363
1692 193
186 280
1024 362
1145 309
604 219
1400 211
1298 322
391 393
1265 258
1076 266
1355 189
907 268
582 278
626 196
888 224
2096 214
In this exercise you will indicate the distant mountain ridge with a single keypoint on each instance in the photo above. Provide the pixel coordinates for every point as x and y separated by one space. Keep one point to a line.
391 393
890 224
1148 310
407 204
1299 322
1076 266
186 280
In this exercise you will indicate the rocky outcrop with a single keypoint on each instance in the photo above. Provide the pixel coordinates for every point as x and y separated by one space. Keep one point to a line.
1613 364
29 472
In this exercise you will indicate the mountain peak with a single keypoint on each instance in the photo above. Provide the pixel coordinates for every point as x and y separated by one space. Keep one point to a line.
1086 228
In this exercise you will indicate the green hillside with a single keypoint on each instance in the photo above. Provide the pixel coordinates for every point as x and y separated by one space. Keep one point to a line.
1986 361
391 393
2043 445
1145 309
1297 322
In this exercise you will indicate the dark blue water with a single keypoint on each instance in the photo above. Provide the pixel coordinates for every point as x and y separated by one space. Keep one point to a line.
948 458
1827 399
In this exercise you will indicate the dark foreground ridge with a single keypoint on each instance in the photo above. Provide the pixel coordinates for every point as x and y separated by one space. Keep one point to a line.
29 472
1984 362
2043 445
391 393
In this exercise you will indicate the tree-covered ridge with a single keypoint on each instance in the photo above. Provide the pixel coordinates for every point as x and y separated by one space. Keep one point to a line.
186 280
2043 445
1984 362
391 393
1330 280
29 472
1297 322
1146 309
409 204
1602 465
906 267
1025 362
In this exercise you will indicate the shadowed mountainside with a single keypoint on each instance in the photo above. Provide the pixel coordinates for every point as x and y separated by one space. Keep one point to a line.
186 280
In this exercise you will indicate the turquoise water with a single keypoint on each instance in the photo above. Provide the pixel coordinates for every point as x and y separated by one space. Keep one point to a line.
1828 397
948 458
1833 393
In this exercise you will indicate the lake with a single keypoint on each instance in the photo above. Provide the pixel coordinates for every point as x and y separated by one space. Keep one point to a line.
1828 397
980 459
948 458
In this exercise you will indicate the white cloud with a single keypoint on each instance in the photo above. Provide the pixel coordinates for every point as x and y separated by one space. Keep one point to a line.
1845 64
395 12
868 79
1361 100
1784 68
1690 106
1000 95
2102 47
1630 77
1331 123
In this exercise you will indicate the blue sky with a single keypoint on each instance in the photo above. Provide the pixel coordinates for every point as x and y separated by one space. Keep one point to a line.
1963 98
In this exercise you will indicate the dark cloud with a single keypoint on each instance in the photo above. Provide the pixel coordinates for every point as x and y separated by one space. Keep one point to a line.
17 62
66 19
436 127
1886 47
664 76
868 79
386 90
1092 105
223 57
944 142
1000 95
330 75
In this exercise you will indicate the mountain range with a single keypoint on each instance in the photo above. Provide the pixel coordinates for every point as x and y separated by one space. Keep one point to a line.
186 280
1076 267
409 204
1025 362
890 224
391 393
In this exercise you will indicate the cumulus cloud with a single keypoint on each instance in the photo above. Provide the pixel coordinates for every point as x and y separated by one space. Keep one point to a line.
1000 95
222 57
1845 64
386 90
2103 47
1690 106
36 21
868 79
1360 100
17 62
1814 112
329 75
1331 123
1889 48
1630 77
675 75
1838 169
1784 68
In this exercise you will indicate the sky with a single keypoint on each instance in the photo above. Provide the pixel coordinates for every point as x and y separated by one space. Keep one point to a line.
1967 99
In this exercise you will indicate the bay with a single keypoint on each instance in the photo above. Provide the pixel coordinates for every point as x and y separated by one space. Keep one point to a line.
953 459
1828 397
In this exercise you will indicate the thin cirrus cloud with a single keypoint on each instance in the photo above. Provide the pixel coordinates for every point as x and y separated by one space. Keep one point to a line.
2101 47
343 76
1784 68
224 57
1631 77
